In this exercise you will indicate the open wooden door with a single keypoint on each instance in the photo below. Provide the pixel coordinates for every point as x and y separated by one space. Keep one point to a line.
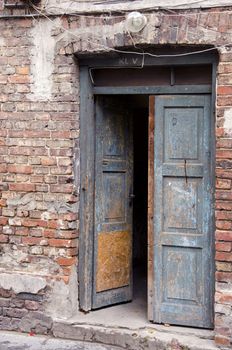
112 281
180 211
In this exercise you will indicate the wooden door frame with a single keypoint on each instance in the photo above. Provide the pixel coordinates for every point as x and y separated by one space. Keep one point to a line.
87 143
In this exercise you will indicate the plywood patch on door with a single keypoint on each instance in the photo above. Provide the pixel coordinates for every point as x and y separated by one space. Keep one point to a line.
113 260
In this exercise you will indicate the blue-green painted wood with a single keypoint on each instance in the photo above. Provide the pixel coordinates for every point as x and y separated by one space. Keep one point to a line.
183 213
113 186
86 189
148 90
131 60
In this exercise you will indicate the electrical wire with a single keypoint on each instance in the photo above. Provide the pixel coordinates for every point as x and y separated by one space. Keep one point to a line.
144 53
171 13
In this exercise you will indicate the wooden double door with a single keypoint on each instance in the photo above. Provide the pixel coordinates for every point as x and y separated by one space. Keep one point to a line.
180 215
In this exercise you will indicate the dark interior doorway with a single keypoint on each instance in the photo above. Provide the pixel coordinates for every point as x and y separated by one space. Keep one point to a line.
138 106
140 142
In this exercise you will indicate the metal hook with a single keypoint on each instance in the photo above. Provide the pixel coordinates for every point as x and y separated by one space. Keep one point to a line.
185 172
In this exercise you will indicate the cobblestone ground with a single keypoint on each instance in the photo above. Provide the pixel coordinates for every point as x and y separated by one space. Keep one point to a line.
18 341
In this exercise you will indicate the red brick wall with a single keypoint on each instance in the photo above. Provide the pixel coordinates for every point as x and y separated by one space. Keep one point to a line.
37 142
38 200
39 139
223 203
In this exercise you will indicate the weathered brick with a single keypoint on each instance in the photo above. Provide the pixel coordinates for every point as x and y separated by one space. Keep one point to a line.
66 261
31 305
225 68
50 179
48 161
23 169
22 187
15 221
3 168
224 298
4 302
9 323
224 224
61 188
220 340
3 221
4 238
219 205
34 241
37 179
15 302
224 266
224 236
224 143
4 293
42 188
21 231
224 90
62 170
36 232
35 250
224 276
19 79
23 70
62 242
8 212
226 195
223 256
72 251
224 246
34 223
223 215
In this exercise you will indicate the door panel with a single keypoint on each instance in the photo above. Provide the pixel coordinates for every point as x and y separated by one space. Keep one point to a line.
112 281
182 224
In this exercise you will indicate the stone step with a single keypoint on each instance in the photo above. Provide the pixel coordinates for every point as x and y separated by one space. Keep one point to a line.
131 339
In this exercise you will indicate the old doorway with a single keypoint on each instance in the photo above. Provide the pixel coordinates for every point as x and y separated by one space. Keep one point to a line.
175 209
179 205
120 220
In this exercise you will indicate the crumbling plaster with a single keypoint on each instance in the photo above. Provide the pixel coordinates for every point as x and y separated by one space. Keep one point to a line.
61 298
67 6
42 57
22 283
228 121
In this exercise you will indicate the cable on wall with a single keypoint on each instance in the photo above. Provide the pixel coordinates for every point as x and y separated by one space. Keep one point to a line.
143 53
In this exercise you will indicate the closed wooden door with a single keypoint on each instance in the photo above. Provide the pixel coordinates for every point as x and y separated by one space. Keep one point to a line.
180 211
112 282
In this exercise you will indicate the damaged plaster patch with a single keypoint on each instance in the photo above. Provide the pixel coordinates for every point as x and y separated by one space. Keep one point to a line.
26 202
63 300
22 283
14 260
62 207
42 60
228 121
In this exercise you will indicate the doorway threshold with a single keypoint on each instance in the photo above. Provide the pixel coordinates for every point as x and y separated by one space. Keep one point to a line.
127 327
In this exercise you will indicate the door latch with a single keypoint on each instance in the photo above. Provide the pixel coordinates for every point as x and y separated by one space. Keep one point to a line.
131 198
